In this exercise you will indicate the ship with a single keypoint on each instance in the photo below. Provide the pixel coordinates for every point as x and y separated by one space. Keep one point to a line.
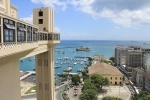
57 66
83 49
68 69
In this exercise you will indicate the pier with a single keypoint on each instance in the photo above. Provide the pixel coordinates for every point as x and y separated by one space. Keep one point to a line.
26 75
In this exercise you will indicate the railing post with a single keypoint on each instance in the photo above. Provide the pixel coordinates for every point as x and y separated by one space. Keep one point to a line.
2 35
16 38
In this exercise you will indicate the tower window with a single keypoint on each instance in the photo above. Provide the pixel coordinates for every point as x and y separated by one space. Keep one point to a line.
40 21
40 13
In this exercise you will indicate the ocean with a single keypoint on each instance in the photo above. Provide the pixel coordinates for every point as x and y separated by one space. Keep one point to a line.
67 48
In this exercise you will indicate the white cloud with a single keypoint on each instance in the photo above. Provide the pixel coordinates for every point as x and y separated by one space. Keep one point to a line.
57 30
117 27
122 12
28 19
52 3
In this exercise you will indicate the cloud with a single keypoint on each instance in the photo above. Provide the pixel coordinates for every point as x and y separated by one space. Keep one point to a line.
52 3
57 30
117 27
28 19
122 12
127 13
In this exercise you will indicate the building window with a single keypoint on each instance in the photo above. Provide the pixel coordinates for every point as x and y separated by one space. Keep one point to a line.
49 36
120 78
111 78
40 21
9 32
35 37
40 13
21 32
46 62
39 62
116 78
29 33
40 36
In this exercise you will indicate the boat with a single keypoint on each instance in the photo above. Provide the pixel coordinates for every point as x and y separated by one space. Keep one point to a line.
146 44
83 49
62 74
68 69
80 70
57 66
75 63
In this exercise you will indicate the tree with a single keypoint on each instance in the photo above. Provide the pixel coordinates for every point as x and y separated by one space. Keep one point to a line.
111 98
144 95
99 81
89 94
75 79
112 59
88 85
105 61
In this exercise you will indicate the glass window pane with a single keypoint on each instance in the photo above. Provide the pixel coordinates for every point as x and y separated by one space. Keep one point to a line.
10 22
6 32
5 20
11 38
11 32
6 38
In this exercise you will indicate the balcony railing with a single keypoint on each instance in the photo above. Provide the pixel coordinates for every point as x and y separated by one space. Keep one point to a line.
15 44
51 37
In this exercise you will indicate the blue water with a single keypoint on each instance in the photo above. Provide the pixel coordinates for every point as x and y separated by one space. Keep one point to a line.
105 48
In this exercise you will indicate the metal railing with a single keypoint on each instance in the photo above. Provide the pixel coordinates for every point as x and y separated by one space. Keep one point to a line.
6 45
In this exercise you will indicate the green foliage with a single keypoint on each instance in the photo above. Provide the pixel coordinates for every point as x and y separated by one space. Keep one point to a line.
90 61
99 81
76 79
63 93
112 59
105 61
89 94
111 98
29 91
63 79
144 95
88 85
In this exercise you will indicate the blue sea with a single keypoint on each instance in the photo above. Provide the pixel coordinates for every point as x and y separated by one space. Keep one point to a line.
67 48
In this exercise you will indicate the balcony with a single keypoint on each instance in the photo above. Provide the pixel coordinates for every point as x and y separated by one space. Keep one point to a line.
34 47
17 37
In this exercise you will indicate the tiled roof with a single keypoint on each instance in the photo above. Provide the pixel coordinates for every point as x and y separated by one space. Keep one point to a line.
148 76
104 69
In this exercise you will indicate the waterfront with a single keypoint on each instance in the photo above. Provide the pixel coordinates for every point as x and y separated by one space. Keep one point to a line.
68 49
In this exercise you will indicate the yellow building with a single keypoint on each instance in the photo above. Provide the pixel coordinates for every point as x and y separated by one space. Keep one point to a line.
114 76
19 39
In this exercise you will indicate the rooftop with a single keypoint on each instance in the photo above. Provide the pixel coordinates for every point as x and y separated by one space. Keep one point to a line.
138 70
104 69
148 76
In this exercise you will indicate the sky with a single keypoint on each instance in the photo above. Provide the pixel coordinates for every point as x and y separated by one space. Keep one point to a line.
94 19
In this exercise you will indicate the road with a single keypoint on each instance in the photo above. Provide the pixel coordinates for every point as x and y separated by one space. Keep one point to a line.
33 96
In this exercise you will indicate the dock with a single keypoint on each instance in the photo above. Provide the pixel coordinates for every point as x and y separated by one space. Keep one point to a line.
26 75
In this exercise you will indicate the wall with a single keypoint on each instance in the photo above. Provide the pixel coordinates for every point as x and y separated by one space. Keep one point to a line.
48 18
10 90
113 80
13 12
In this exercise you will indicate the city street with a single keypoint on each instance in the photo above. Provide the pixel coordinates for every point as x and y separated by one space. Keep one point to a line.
57 94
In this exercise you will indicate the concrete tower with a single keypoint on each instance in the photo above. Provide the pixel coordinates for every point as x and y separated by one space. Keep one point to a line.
44 19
